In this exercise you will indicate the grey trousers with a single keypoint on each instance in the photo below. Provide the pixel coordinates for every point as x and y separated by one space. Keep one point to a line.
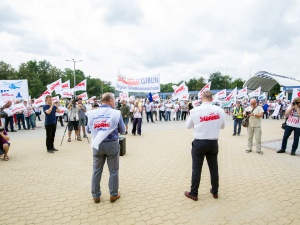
254 131
110 151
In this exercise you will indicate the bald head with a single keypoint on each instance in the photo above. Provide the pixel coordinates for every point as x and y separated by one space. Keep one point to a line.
109 99
253 102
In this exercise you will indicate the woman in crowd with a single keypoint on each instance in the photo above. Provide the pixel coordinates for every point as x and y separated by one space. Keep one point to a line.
137 119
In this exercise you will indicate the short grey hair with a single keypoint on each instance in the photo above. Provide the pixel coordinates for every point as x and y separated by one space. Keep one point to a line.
207 95
106 97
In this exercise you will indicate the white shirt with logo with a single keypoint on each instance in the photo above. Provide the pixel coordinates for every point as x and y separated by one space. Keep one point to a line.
168 107
148 107
293 119
207 120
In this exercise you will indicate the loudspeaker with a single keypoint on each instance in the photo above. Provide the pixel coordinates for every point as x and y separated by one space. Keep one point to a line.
122 142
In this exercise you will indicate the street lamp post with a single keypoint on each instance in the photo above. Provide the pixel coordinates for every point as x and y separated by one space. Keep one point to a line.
74 61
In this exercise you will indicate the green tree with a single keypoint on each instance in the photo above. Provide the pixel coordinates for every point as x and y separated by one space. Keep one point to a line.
239 82
166 87
7 72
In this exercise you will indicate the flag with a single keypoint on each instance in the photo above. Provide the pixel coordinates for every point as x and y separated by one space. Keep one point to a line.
68 93
83 96
66 85
206 87
280 95
296 93
55 86
150 97
123 95
255 93
179 91
81 86
232 96
55 99
242 93
262 96
47 92
219 95
184 97
156 98
39 101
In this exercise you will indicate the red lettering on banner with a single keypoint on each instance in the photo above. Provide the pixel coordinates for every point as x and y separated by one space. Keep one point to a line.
17 109
65 85
52 87
102 124
211 116
128 82
179 89
81 84
7 94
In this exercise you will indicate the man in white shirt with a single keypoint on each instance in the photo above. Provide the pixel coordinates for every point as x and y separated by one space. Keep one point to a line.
148 108
206 120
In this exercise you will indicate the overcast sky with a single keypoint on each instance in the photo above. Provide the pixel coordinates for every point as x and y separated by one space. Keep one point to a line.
178 39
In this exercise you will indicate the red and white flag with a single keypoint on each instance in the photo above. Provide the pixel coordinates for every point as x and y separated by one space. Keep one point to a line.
66 85
156 98
55 99
184 97
39 101
124 95
219 95
205 88
179 91
232 96
83 96
14 108
242 93
66 93
255 93
47 92
81 86
296 93
55 86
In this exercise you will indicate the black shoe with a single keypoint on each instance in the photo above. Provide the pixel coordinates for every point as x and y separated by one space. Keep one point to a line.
238 134
13 131
19 129
233 134
50 151
214 195
54 149
126 132
293 153
281 151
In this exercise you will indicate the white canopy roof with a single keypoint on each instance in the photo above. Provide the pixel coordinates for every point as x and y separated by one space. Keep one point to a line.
267 81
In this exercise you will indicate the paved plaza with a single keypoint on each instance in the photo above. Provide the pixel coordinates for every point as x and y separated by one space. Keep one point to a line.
41 188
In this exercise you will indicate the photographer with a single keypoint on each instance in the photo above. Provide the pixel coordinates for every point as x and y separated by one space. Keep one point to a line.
73 120
4 144
292 124
82 118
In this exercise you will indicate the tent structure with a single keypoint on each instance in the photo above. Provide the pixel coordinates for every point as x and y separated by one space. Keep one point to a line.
267 81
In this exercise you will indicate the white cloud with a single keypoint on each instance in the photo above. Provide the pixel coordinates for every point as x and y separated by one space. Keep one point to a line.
178 39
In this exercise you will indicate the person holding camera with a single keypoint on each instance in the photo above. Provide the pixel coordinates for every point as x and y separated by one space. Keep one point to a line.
237 118
4 144
254 113
82 118
50 123
73 120
292 124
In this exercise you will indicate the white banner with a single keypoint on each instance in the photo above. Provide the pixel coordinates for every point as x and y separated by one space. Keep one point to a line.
276 111
206 87
8 95
263 96
280 96
66 85
242 93
55 86
19 88
184 97
232 96
84 96
144 84
255 93
124 95
81 86
219 95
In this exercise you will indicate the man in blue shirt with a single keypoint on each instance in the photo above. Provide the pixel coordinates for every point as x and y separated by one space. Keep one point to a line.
266 107
104 124
50 123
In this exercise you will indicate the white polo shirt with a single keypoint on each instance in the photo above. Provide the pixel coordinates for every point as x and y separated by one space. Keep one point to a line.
207 120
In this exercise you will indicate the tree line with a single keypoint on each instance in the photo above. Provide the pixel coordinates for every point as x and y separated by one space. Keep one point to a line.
41 73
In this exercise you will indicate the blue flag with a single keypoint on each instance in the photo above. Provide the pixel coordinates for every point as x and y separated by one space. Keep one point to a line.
150 97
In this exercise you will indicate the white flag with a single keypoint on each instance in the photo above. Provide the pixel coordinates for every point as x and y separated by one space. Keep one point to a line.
184 97
280 96
83 96
232 96
55 86
179 91
255 93
66 93
81 86
156 98
262 96
205 88
39 101
55 99
296 93
47 92
66 85
242 93
219 95
124 95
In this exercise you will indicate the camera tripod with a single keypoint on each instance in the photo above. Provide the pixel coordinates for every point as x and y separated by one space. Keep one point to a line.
68 118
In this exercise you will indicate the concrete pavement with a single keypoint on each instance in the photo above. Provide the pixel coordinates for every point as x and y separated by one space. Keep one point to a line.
41 188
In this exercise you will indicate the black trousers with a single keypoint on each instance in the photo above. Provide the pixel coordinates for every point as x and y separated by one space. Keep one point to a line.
183 115
200 150
50 135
